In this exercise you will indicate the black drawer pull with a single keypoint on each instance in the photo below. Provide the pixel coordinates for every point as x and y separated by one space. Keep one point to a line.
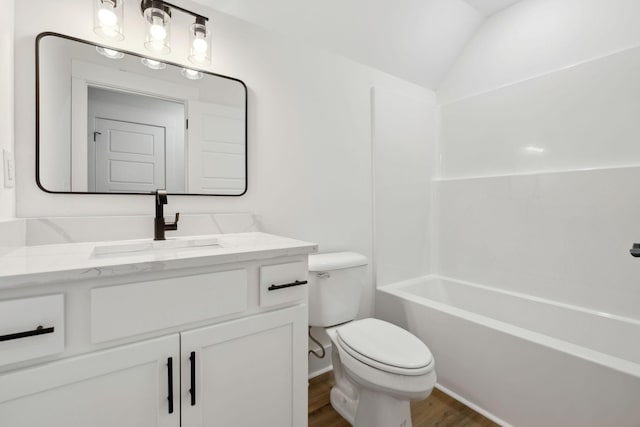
288 285
192 390
170 383
37 331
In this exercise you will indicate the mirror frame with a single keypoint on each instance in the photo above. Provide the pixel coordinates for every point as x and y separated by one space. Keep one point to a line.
246 119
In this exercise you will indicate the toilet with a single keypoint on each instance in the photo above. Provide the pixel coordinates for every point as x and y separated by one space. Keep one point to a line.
378 367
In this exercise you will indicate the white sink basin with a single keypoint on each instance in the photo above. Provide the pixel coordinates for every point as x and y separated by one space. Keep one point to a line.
138 246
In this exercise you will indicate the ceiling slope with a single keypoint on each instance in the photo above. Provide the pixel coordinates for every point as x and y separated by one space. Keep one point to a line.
416 40
489 7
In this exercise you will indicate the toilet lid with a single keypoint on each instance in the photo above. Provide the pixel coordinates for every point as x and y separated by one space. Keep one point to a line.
384 344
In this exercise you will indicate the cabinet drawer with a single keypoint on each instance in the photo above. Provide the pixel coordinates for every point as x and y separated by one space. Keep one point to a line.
282 283
31 328
135 308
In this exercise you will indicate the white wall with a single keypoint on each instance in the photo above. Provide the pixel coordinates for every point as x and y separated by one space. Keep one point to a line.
541 225
309 128
403 168
7 196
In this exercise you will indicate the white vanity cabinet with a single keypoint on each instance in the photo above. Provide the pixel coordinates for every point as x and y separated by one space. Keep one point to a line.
195 342
247 372
127 386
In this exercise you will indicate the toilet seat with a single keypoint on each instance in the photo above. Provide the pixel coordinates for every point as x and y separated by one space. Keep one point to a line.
386 347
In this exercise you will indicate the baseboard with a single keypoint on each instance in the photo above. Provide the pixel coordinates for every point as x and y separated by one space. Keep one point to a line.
320 366
473 406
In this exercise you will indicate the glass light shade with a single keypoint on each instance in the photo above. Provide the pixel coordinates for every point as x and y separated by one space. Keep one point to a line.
192 74
153 64
158 21
108 19
109 53
200 43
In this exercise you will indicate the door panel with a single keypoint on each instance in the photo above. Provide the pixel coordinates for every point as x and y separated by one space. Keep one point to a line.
125 387
128 156
216 149
249 372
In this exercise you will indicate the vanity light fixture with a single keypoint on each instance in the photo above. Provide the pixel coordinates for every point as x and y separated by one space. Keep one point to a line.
191 74
108 17
153 64
108 20
109 53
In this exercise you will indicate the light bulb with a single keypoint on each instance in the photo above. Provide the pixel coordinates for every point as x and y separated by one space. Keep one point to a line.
157 30
200 45
107 17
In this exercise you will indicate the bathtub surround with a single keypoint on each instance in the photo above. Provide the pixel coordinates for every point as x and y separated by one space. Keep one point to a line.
562 236
529 218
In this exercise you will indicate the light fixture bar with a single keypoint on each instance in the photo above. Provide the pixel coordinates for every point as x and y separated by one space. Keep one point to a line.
183 10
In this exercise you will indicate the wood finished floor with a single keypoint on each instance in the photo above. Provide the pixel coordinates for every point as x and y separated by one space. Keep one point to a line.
437 410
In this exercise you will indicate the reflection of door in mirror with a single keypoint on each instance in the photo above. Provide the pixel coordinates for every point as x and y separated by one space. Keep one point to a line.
131 137
216 148
127 157
116 126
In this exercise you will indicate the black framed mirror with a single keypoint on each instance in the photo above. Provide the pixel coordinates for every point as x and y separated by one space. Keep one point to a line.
116 122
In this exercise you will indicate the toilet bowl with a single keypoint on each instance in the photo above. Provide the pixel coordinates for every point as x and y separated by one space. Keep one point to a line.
378 367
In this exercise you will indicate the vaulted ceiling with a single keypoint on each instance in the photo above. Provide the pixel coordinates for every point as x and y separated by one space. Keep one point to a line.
417 40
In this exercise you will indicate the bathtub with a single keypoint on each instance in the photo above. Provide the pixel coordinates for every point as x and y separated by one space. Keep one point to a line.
522 360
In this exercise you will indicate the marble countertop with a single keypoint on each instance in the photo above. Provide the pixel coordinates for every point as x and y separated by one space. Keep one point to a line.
34 265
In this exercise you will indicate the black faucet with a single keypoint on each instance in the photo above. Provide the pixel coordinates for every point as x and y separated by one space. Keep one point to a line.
635 250
159 225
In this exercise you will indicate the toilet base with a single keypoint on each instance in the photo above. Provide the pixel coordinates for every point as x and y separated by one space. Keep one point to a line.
343 405
372 409
376 409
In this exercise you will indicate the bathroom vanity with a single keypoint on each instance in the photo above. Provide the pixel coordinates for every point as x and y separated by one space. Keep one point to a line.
211 333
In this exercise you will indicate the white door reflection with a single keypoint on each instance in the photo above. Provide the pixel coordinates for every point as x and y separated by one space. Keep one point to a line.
130 136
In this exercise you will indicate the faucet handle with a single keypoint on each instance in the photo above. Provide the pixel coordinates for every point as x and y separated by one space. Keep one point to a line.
172 226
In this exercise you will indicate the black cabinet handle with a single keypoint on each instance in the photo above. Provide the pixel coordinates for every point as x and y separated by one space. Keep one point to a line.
288 285
170 383
37 331
192 390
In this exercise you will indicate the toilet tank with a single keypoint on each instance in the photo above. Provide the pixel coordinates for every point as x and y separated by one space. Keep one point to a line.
336 281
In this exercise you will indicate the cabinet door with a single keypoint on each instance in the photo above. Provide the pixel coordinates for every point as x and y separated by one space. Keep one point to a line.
249 372
125 387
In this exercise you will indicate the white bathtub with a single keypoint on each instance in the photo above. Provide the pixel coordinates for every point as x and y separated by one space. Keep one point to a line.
521 360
